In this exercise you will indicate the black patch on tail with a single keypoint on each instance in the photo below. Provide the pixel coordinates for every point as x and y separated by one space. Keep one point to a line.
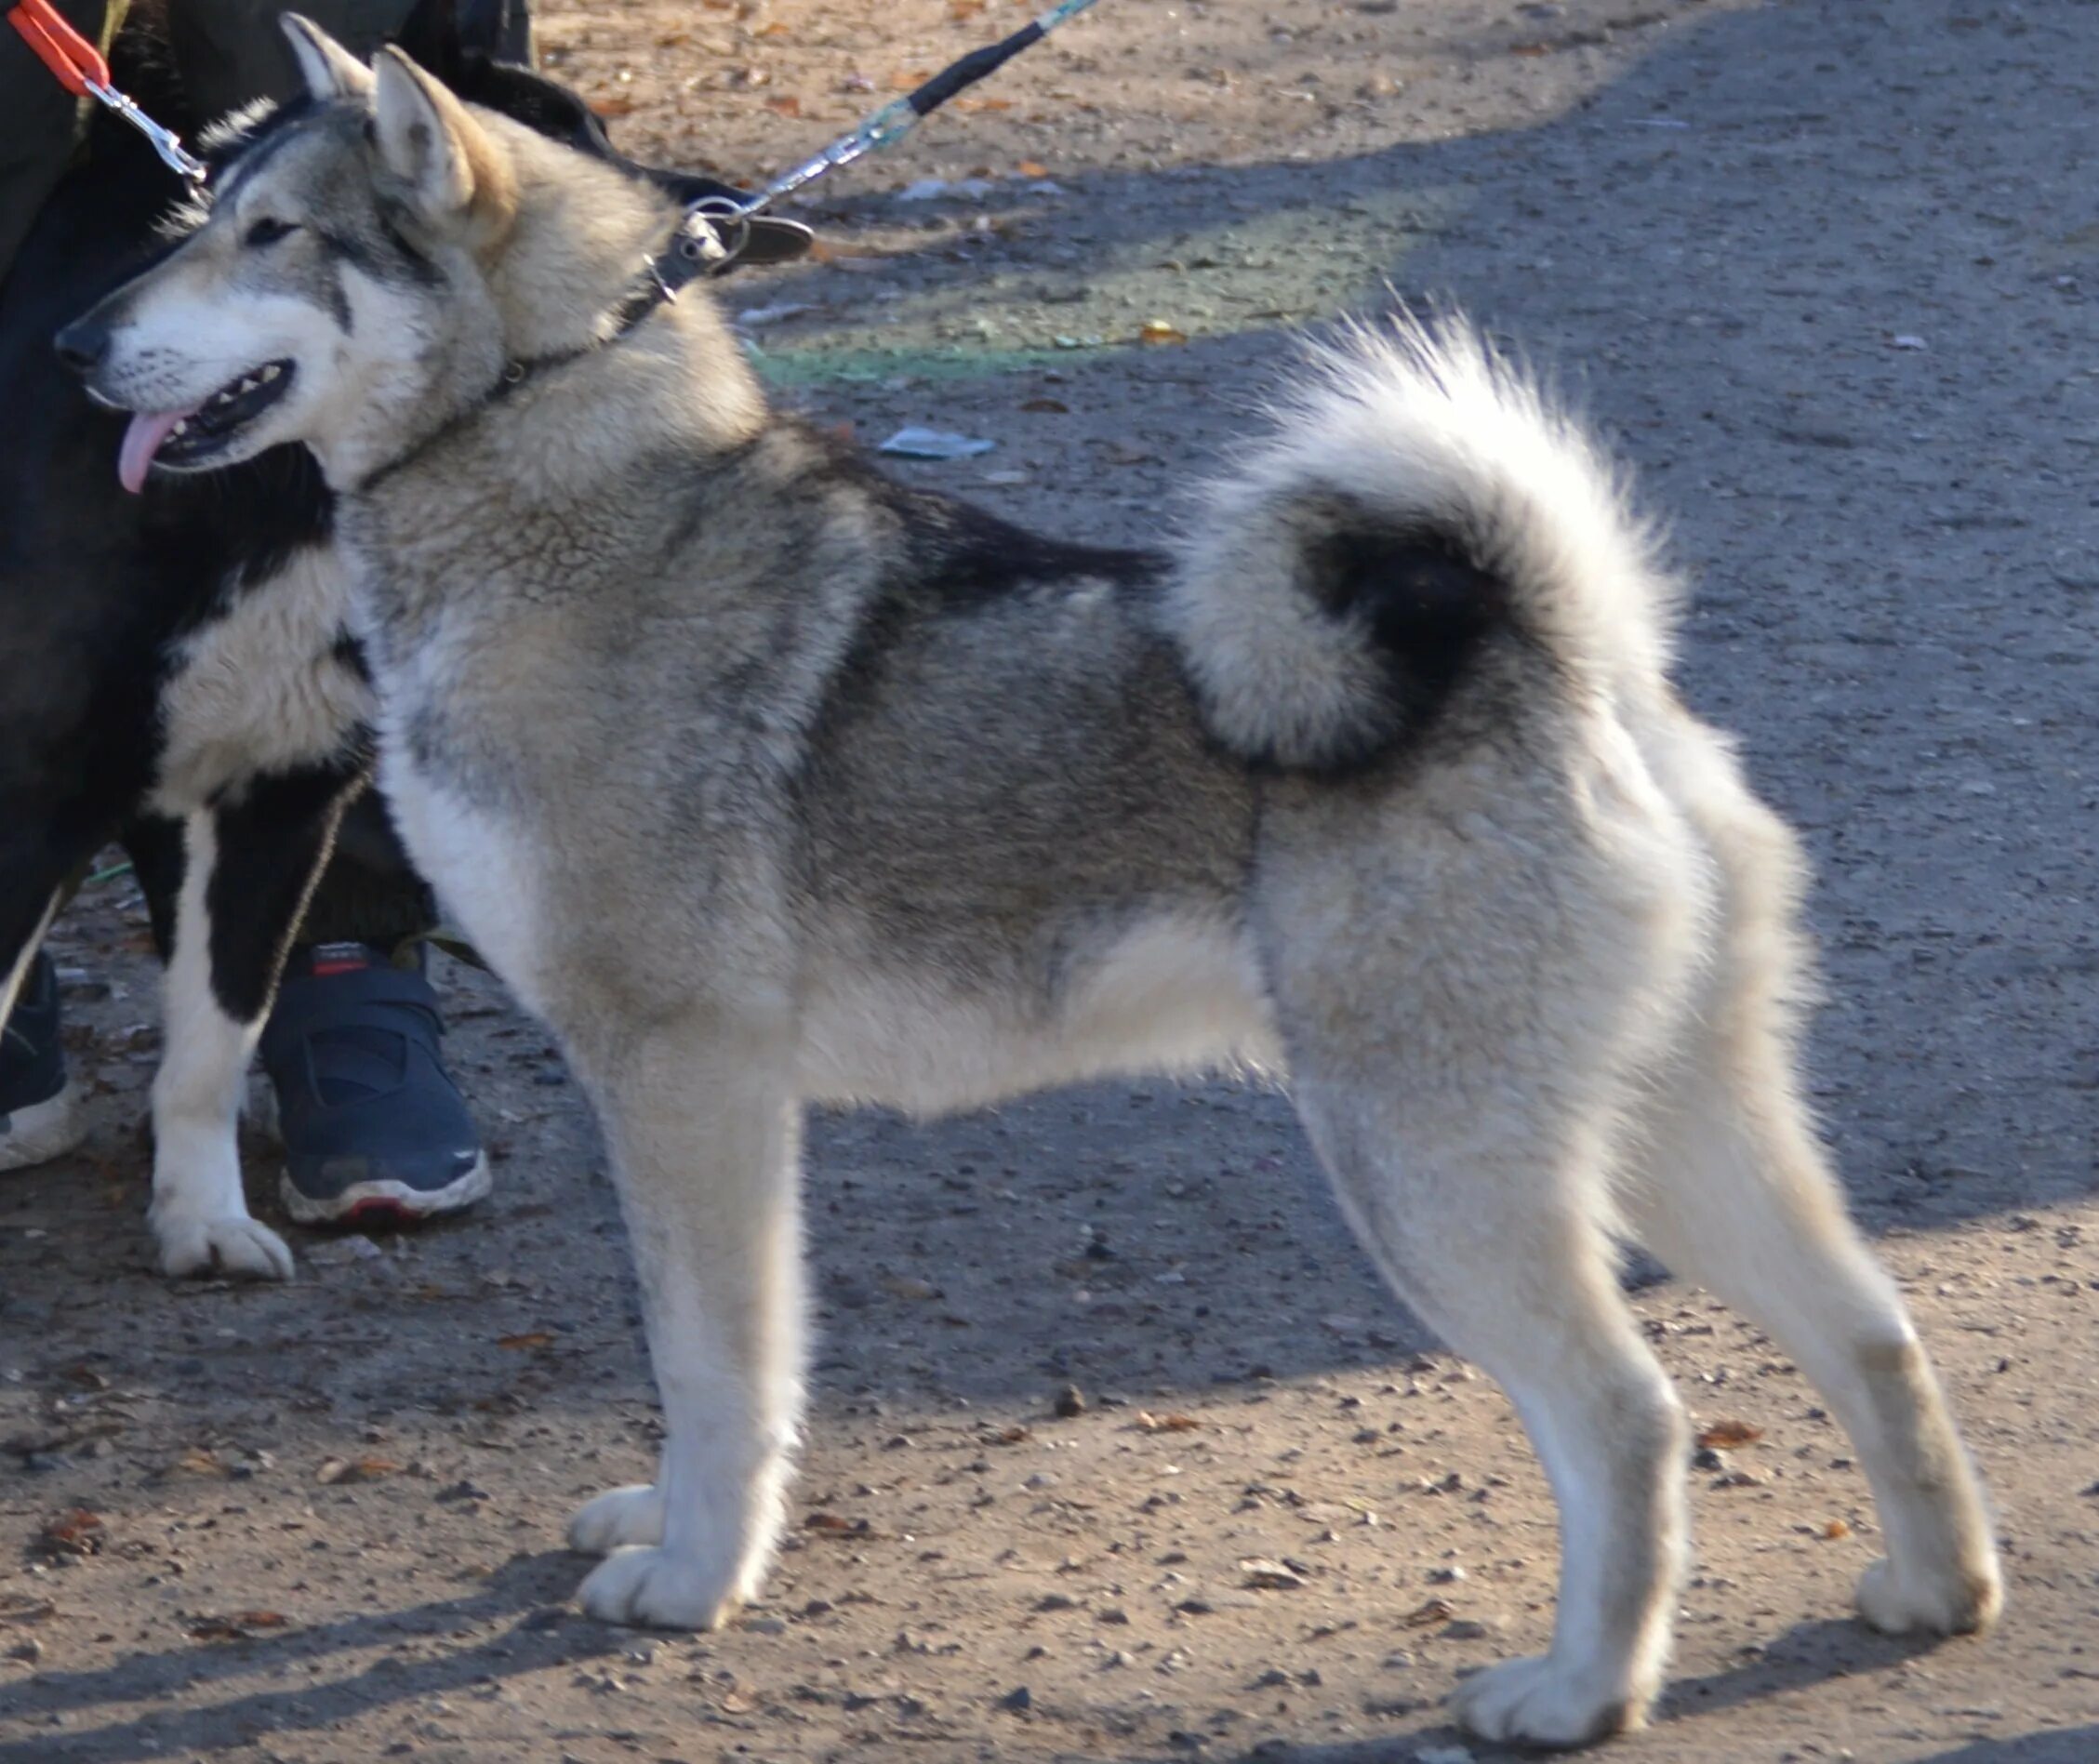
1427 610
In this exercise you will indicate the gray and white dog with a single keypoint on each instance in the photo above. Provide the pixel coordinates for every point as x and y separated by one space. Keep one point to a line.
766 782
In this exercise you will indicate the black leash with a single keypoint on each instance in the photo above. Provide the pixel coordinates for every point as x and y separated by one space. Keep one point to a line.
884 128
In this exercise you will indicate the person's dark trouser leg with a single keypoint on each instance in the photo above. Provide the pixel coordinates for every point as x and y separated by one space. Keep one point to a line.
38 120
39 124
40 1114
369 892
233 51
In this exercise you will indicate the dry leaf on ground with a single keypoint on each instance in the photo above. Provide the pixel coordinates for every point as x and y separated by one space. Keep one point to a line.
235 1625
333 1470
75 1532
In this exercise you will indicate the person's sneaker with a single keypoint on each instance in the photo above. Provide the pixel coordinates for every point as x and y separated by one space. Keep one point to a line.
40 1113
373 1126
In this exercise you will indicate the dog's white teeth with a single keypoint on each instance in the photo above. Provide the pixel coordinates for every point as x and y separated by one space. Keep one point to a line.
271 371
250 385
179 426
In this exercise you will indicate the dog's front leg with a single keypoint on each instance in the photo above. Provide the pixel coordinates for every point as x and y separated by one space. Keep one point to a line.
199 1216
246 872
705 1143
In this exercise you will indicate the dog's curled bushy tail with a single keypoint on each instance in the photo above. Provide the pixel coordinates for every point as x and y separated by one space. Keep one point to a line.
1418 501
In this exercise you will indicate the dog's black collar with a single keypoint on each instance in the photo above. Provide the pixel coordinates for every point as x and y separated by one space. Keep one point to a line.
697 248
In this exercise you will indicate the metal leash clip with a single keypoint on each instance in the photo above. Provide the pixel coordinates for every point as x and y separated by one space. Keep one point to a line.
78 66
712 235
177 158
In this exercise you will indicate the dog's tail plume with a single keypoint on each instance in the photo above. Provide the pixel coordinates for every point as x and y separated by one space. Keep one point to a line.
1419 501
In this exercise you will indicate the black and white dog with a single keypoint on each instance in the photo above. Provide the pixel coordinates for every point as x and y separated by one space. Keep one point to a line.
175 667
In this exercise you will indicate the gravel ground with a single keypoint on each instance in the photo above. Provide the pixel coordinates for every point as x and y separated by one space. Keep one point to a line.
1826 271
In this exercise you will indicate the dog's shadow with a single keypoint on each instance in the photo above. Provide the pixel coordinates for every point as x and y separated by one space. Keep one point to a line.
545 1634
1809 1653
529 1587
1806 1655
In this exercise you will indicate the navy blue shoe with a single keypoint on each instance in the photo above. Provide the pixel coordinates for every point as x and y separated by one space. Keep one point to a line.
40 1112
374 1128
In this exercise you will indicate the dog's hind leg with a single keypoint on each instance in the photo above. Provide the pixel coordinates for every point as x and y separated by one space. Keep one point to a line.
1732 1190
1465 974
705 1146
248 867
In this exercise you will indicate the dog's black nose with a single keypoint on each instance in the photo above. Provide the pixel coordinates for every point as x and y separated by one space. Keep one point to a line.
83 344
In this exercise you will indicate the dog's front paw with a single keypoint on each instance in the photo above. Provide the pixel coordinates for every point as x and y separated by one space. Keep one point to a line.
644 1585
1540 1701
618 1516
1964 1599
231 1244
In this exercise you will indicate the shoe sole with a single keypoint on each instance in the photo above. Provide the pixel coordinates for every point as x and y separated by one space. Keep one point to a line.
381 1202
43 1131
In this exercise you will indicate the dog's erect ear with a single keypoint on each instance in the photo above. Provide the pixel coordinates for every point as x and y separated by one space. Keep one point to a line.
329 70
454 174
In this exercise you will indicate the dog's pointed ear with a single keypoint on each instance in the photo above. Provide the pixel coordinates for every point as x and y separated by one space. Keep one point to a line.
329 71
455 172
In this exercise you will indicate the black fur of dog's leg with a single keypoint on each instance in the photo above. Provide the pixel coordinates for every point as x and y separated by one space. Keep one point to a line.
153 843
271 847
248 866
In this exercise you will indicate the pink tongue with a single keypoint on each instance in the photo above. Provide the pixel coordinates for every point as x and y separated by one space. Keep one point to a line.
142 441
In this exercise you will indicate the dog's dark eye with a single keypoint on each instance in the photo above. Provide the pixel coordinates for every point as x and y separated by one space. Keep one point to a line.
268 231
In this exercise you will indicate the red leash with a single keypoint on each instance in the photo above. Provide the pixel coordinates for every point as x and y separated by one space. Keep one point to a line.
78 66
69 56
